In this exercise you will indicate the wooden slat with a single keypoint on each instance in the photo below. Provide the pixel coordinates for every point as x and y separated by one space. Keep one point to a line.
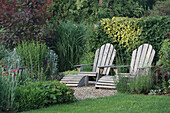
105 56
107 77
151 57
109 84
147 56
143 55
105 81
137 59
133 59
95 60
73 76
88 73
100 57
111 61
68 82
70 79
112 87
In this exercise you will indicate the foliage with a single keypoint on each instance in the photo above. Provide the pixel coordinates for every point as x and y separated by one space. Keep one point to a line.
124 8
123 31
74 10
141 84
22 20
129 33
52 60
35 95
33 61
8 84
44 62
146 4
98 38
163 65
3 54
69 43
90 11
161 8
154 31
71 72
123 86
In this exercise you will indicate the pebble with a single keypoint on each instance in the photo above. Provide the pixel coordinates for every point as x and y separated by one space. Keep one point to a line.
91 92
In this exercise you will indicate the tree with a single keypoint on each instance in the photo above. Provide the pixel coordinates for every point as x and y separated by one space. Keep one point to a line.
23 20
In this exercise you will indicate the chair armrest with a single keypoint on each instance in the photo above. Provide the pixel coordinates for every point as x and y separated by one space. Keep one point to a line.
83 65
80 67
113 66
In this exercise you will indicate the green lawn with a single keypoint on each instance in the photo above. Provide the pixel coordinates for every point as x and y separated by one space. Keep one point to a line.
120 103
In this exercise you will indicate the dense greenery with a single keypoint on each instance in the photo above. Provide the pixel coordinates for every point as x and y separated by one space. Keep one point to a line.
141 84
69 43
119 103
23 20
41 65
163 66
91 12
132 32
35 95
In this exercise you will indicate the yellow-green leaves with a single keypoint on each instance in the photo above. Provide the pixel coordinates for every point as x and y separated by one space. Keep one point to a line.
123 30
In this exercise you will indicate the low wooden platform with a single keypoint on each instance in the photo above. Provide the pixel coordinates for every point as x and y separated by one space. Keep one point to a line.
74 80
106 82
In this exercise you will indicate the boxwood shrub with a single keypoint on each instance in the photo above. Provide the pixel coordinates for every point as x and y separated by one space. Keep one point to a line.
35 95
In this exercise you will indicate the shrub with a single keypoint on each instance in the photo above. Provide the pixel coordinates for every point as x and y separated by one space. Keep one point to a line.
161 8
34 95
141 84
163 65
90 11
38 59
122 85
8 85
129 33
154 31
22 20
69 43
123 31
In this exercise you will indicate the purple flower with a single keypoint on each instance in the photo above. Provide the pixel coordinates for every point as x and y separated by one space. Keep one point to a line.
166 55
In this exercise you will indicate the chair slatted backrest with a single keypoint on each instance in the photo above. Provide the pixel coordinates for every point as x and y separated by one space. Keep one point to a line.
104 56
141 57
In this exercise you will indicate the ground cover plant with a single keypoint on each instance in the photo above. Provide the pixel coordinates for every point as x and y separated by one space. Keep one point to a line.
35 95
119 103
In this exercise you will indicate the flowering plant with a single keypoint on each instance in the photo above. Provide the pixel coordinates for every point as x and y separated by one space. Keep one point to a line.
8 84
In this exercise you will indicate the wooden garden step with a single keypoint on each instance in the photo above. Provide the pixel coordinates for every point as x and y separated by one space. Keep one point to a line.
70 79
73 80
109 84
106 81
73 76
68 82
100 86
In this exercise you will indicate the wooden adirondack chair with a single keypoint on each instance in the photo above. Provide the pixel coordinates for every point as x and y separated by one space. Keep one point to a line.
103 56
140 62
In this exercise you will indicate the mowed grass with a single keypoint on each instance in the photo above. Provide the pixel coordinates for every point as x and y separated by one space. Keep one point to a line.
120 103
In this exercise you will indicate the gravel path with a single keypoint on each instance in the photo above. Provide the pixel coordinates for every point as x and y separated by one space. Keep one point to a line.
90 92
